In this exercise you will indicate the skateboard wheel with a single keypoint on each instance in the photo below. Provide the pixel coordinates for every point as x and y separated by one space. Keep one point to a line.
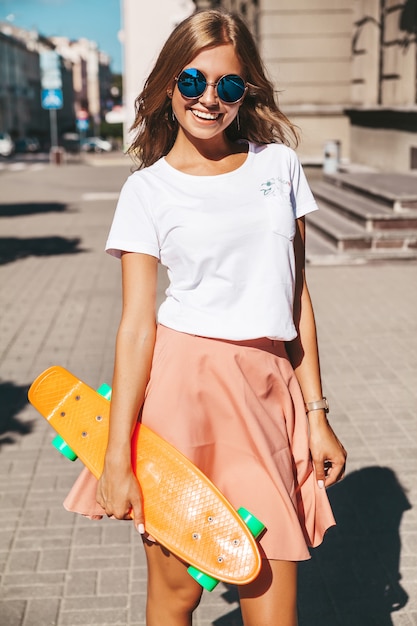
253 523
64 448
105 391
206 581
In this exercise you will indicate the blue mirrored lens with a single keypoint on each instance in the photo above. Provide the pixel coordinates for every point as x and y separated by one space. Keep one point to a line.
231 88
191 83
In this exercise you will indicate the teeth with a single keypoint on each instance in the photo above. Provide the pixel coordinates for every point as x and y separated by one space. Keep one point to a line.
205 116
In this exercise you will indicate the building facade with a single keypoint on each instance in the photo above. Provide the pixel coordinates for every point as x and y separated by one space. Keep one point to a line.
86 83
383 111
20 102
344 70
145 30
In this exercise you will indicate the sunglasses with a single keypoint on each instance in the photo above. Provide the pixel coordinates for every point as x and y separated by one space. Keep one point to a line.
192 84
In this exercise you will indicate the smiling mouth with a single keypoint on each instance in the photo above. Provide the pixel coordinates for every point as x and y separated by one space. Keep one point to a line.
205 116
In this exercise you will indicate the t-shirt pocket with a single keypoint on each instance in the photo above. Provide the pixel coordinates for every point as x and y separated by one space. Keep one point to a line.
281 217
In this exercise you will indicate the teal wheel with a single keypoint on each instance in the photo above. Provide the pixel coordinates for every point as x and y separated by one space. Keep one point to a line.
206 581
105 391
64 448
255 526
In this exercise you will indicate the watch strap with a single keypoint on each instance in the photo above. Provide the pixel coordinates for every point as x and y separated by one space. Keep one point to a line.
317 404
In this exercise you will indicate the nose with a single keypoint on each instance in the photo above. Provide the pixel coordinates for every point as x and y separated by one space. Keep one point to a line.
209 97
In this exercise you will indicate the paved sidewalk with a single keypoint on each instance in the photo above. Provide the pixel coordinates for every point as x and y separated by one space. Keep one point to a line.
60 304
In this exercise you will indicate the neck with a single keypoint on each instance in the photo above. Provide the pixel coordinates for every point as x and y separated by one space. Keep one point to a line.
206 157
190 148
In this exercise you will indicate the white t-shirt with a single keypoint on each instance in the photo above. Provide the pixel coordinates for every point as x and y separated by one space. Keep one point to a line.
227 241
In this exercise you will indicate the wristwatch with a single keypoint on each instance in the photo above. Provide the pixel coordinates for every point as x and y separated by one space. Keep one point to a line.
318 404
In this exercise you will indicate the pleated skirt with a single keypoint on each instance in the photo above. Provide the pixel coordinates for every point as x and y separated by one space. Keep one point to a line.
235 409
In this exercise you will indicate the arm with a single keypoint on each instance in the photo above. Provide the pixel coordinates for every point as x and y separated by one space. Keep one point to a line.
118 491
327 452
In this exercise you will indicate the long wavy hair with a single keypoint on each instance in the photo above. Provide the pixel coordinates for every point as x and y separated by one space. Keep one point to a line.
261 121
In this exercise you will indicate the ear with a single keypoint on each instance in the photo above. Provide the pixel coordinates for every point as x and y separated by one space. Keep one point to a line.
169 93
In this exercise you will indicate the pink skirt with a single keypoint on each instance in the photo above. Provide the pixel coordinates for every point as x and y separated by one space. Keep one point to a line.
235 409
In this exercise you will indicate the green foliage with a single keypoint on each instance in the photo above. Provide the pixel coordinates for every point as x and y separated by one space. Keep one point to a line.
111 130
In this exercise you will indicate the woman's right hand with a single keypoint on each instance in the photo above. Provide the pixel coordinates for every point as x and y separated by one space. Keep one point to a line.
118 492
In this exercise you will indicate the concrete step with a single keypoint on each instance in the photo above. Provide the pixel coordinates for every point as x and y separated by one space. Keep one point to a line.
368 212
398 191
348 235
320 251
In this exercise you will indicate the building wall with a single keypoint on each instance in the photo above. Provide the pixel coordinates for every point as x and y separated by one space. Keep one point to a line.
306 47
384 84
21 113
384 53
145 29
91 79
387 150
248 9
20 89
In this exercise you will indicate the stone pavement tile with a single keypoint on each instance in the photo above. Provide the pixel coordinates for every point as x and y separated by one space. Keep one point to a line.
367 335
12 612
85 615
111 558
219 607
39 611
114 582
23 585
137 608
81 583
52 539
400 619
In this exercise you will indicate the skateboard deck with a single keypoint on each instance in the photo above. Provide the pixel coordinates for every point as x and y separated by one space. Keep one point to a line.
183 510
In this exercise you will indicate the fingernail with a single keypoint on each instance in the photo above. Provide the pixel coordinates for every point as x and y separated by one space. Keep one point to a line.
320 484
141 529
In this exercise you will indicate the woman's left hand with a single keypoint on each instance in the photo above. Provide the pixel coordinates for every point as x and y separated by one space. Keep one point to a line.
327 453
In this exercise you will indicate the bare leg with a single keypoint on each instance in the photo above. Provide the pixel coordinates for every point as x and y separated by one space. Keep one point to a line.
271 600
172 594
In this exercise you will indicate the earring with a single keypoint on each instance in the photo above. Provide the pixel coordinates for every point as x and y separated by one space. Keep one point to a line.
237 121
173 115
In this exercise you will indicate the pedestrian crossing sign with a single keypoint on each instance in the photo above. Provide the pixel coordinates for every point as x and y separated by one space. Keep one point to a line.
52 99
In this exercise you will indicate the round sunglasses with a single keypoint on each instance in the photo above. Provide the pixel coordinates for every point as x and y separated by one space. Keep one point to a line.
192 84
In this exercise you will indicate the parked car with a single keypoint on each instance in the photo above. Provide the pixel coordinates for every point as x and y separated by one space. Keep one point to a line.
6 145
70 142
96 144
27 144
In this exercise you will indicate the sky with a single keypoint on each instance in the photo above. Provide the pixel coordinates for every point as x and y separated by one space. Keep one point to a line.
98 20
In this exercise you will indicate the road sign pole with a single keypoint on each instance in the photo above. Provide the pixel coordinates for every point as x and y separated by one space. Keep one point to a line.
52 97
54 127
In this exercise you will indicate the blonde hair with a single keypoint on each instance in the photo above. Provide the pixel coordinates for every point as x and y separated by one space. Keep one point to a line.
261 120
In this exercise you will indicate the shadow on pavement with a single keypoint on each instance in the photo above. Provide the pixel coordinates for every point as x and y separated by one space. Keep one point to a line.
234 618
14 248
31 208
12 400
353 577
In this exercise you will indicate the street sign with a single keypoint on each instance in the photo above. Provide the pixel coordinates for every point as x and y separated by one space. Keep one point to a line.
50 65
52 99
82 124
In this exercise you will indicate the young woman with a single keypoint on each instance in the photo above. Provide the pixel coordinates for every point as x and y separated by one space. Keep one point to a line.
229 373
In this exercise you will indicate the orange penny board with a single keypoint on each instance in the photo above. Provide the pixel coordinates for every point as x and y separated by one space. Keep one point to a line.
183 510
